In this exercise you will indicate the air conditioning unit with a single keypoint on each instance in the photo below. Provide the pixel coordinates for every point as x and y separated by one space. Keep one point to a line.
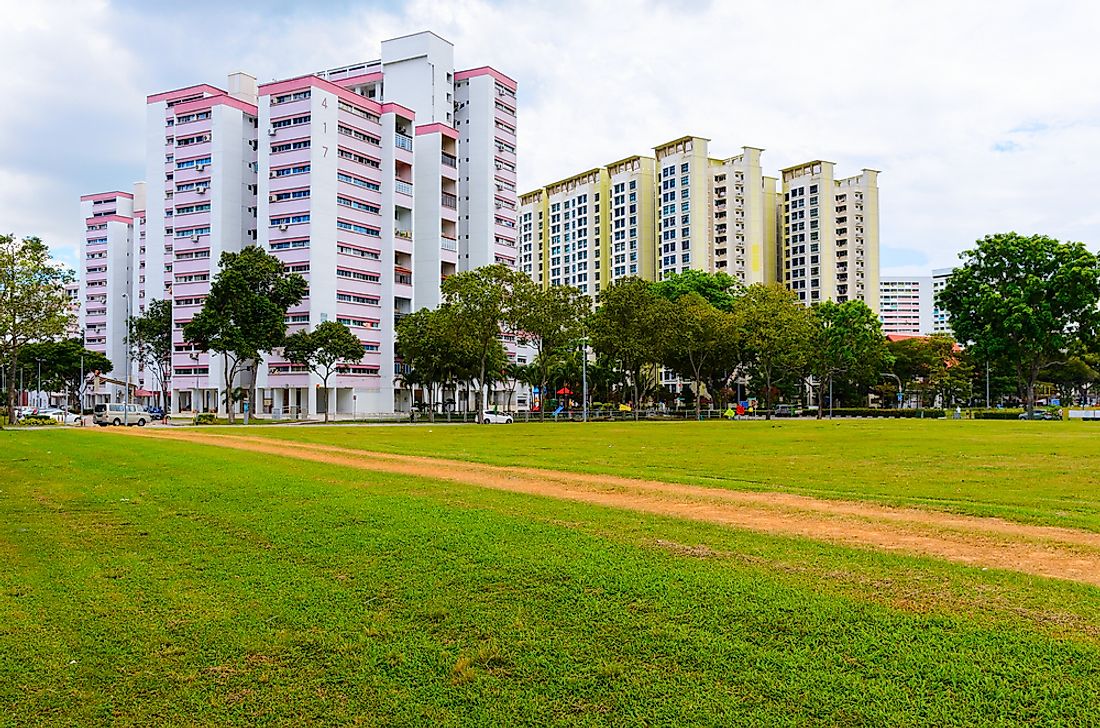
272 131
272 174
194 238
200 190
200 167
272 198
284 226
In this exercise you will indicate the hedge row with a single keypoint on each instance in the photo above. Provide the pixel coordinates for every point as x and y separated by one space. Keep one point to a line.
897 413
1005 414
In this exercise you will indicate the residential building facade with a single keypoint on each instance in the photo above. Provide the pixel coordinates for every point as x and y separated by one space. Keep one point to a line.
830 234
682 209
374 181
941 323
905 305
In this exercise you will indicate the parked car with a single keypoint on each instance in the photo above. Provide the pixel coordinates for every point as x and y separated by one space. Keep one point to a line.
489 417
1040 415
120 414
784 410
155 412
55 413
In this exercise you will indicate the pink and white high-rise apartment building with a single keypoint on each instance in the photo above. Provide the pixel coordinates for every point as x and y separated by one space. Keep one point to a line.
374 181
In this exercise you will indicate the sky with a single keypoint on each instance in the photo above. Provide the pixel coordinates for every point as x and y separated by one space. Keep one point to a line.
983 117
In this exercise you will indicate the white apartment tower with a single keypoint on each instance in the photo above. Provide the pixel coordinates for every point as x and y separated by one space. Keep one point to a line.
374 181
105 274
941 323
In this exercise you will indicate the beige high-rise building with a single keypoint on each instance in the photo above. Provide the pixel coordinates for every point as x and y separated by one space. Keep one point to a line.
830 234
682 209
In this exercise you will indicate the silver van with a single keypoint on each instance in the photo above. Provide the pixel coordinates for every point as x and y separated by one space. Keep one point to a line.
119 414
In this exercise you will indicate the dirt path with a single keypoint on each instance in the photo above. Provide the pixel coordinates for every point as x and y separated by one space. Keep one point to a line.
989 542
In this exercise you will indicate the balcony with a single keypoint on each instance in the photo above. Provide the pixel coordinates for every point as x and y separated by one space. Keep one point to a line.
449 200
403 141
403 187
448 243
449 160
404 279
406 234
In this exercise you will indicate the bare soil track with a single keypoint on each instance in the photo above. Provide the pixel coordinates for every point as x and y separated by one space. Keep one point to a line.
1060 553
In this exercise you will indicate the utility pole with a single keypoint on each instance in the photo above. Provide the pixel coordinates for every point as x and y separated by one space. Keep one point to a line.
38 397
987 384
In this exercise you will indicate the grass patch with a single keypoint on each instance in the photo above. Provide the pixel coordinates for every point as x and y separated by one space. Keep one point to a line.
168 582
1032 472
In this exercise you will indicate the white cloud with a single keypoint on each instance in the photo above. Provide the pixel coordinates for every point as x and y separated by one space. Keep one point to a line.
982 116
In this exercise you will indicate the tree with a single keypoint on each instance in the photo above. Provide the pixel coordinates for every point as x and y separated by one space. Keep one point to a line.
322 349
551 320
63 365
244 315
775 330
1031 300
718 289
484 303
151 343
34 305
846 340
630 328
440 349
700 336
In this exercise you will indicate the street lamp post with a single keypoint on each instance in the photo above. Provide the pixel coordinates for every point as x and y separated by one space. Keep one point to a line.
38 398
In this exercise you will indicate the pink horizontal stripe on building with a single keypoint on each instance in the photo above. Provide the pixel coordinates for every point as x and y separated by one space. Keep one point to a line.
301 82
181 92
109 218
437 128
211 101
486 71
101 196
392 108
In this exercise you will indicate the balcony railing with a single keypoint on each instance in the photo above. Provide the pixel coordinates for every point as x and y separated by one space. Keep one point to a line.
449 200
449 160
405 279
449 243
407 234
403 187
403 141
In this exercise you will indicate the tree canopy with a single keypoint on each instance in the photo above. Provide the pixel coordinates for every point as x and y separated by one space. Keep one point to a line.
845 340
244 315
322 349
34 305
1027 300
151 343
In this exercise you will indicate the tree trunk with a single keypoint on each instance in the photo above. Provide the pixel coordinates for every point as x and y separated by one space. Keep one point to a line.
698 399
636 396
12 373
542 399
226 371
768 398
821 398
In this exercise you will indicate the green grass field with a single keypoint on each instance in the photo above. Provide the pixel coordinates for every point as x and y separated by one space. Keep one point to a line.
1037 472
148 582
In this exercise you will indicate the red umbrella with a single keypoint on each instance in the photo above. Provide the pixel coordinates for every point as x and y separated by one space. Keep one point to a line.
565 390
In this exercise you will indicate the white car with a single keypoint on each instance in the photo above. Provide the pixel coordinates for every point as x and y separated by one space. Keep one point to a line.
54 413
489 417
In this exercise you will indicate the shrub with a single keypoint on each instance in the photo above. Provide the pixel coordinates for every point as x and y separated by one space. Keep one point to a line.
997 414
37 421
896 413
205 418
